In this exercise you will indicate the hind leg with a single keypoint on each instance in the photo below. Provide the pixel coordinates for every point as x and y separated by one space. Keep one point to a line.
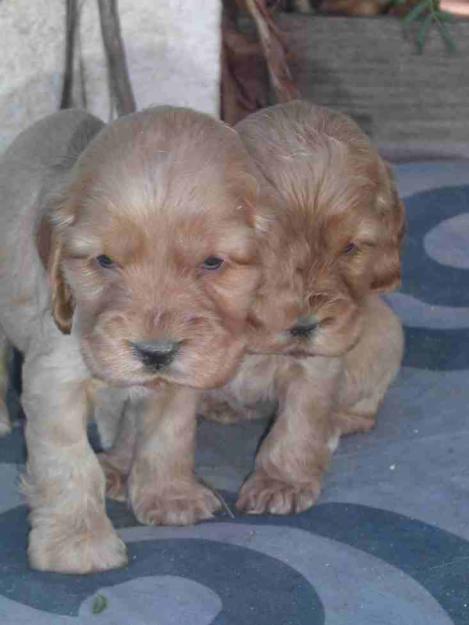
370 367
117 460
108 413
5 425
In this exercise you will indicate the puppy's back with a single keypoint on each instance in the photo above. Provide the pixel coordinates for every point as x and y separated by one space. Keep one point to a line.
31 169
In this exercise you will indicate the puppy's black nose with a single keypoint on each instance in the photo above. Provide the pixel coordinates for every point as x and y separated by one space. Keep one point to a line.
156 354
304 327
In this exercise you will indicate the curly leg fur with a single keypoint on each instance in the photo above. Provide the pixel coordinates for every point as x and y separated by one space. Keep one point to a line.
163 489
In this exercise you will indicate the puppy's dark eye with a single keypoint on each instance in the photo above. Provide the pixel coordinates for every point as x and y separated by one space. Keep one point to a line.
212 263
105 261
350 249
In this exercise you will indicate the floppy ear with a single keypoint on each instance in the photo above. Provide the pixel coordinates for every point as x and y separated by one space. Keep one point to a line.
387 262
62 303
50 249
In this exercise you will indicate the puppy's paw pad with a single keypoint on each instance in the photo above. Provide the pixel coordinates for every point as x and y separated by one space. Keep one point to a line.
186 506
116 480
261 494
85 552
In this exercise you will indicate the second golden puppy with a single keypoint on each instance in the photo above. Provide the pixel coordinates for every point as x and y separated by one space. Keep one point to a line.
325 346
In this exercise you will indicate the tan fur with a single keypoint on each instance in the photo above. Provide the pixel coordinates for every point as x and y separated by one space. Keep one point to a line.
335 190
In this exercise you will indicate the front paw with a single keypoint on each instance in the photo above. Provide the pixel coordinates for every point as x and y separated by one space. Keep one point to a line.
261 494
64 549
116 479
184 504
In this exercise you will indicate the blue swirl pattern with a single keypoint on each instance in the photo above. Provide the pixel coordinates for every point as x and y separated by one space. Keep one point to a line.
434 283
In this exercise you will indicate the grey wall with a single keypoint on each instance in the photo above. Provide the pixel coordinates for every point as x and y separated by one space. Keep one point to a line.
172 50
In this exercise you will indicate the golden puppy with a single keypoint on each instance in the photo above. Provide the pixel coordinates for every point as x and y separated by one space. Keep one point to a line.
128 260
325 346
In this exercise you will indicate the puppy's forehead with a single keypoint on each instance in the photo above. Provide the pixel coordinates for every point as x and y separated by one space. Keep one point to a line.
322 165
164 159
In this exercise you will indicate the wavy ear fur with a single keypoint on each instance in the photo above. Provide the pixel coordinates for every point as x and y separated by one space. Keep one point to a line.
50 250
62 303
387 265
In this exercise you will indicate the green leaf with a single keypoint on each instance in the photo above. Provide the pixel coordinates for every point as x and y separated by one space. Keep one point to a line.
447 37
423 32
417 11
99 604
